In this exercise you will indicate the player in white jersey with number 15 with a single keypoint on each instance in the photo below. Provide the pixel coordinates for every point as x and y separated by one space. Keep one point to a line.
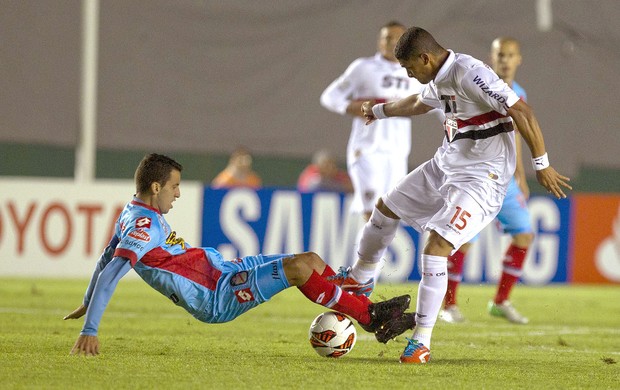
460 190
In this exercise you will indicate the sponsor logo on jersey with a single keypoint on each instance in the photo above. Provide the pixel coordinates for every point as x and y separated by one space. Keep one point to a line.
274 271
485 88
140 234
143 222
172 239
244 295
133 244
449 104
239 278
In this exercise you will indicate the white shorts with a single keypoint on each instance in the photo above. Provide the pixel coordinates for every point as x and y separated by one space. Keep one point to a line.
457 211
373 175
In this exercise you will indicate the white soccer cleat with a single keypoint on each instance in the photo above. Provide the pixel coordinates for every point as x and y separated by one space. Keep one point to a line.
506 310
451 314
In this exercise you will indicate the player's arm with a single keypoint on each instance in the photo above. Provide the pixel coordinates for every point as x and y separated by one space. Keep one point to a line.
528 127
104 259
520 169
88 343
355 106
409 106
337 97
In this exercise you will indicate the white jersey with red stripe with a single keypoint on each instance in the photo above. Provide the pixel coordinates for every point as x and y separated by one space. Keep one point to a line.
375 78
479 142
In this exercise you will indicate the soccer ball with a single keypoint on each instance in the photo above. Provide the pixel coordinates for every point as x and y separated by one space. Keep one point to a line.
332 334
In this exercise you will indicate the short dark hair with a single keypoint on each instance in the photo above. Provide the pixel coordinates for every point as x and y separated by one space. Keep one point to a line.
154 168
414 42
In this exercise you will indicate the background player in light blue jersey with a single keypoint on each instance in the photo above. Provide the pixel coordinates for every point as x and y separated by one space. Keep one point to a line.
200 280
514 216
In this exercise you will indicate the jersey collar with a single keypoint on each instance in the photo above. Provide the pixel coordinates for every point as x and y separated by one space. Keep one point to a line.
444 68
137 202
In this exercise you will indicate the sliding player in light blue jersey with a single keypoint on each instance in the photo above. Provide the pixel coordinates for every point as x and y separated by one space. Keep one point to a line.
200 280
514 216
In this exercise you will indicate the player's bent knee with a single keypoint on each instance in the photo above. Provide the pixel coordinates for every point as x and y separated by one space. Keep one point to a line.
436 245
298 268
381 206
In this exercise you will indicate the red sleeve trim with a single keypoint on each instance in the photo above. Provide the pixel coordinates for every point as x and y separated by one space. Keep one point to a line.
126 253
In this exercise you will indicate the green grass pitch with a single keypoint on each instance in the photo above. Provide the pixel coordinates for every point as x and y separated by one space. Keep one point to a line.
572 341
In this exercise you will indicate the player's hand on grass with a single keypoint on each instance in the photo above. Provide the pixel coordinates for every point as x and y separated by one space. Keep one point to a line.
86 345
367 111
553 181
77 313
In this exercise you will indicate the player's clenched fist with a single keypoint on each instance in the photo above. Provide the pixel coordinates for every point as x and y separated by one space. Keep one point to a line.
367 111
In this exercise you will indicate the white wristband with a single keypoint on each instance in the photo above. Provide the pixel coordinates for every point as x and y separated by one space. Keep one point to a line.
541 162
377 111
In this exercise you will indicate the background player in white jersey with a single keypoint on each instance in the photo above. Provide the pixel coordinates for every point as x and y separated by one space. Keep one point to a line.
376 154
514 216
461 189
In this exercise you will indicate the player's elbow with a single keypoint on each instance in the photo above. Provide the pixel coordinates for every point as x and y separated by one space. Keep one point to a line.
331 104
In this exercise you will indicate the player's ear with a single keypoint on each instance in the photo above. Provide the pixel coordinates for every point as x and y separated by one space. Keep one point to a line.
155 187
426 59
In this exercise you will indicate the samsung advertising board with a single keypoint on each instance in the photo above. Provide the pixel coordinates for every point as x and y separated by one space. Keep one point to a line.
242 222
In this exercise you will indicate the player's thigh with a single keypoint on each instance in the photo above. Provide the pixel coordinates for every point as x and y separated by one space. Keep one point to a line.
250 262
416 198
370 180
397 168
514 216
242 290
463 215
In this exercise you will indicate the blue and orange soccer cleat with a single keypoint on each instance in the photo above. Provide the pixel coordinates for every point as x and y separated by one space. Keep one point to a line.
415 353
348 283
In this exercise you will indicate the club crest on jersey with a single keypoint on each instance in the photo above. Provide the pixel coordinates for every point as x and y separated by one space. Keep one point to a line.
451 127
140 234
143 223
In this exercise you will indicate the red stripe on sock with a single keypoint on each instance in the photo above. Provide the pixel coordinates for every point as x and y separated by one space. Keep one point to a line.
318 289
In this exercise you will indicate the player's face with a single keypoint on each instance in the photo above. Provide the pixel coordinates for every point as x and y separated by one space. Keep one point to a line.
505 58
419 67
388 36
169 192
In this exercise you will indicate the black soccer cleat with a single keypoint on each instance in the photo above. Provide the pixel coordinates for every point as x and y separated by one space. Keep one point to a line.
383 312
395 327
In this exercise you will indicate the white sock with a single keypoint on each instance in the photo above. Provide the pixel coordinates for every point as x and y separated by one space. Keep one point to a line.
377 234
431 292
363 271
423 335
